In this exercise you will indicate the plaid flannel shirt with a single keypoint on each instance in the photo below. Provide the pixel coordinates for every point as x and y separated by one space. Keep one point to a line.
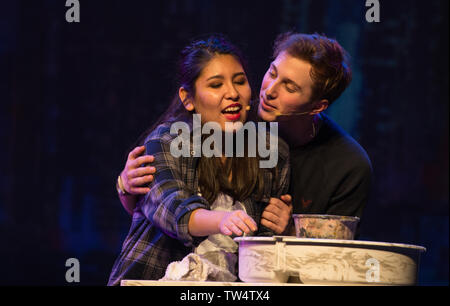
159 231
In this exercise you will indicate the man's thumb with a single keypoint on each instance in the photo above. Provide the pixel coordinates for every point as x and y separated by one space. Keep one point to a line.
287 198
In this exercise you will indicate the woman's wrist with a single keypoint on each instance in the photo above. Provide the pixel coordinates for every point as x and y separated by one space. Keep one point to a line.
204 222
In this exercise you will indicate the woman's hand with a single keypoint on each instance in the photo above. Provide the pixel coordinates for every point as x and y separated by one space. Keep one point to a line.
277 215
134 177
203 222
237 222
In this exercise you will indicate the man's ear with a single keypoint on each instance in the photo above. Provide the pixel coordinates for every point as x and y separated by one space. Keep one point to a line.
186 99
320 106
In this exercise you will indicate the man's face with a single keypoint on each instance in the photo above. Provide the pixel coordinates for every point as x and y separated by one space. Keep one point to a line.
286 88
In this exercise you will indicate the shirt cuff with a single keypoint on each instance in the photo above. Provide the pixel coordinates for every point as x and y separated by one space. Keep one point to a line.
183 225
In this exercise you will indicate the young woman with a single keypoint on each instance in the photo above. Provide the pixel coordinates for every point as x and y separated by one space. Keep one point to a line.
192 199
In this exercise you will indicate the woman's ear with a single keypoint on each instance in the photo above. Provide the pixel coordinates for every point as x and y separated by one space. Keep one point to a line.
320 106
185 99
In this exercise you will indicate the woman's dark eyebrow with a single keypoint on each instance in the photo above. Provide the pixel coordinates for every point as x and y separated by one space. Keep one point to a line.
238 74
221 76
215 77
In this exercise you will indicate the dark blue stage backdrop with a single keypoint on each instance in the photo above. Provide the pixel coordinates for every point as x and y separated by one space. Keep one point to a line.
74 96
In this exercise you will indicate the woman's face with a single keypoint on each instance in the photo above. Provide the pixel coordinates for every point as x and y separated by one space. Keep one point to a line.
222 92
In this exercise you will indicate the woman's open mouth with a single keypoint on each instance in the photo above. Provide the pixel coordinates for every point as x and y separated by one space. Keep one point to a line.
233 112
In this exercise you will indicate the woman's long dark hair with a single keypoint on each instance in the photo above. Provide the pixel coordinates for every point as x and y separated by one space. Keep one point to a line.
246 175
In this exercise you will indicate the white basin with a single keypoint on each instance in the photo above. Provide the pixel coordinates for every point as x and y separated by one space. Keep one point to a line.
327 261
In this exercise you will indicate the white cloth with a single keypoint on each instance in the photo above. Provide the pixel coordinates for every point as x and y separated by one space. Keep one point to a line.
215 258
219 242
193 267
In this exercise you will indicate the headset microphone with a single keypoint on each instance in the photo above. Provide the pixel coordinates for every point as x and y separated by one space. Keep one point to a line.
278 114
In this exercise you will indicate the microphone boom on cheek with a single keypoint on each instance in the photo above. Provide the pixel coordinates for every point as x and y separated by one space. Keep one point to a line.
278 114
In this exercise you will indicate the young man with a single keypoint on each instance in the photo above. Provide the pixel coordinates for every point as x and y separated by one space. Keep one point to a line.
330 172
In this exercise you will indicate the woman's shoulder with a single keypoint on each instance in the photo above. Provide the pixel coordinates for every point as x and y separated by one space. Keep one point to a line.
161 134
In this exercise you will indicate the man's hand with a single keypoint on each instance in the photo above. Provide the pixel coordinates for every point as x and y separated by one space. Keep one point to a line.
134 177
277 215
